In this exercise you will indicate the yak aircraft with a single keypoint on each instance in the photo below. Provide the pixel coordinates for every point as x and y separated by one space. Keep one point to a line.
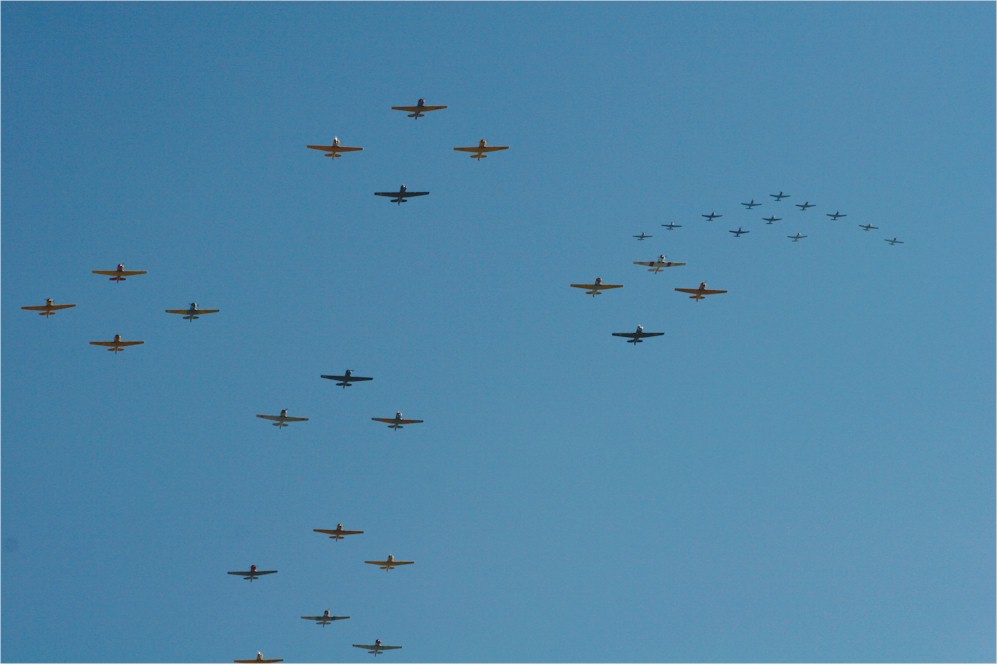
283 419
658 264
779 196
252 573
711 217
48 309
191 312
389 563
375 648
700 292
796 237
867 227
401 195
637 336
119 274
835 215
739 233
325 618
751 204
334 150
642 236
397 422
804 206
482 148
892 241
672 225
596 287
771 219
419 110
117 344
346 378
338 532
260 659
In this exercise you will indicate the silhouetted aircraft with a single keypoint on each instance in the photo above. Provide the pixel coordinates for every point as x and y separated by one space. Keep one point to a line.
338 532
893 241
375 648
867 227
389 563
658 264
283 419
325 618
637 336
797 237
335 149
397 422
191 312
482 148
347 378
119 274
401 195
739 232
771 219
252 573
48 309
117 344
701 291
260 659
596 287
779 196
642 236
711 217
419 110
672 225
834 215
804 206
751 204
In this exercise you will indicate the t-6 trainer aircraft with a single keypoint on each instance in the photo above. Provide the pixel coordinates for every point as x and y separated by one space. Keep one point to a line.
117 344
334 150
401 195
119 274
751 204
397 422
658 264
338 532
346 379
596 287
48 309
325 618
637 336
892 241
643 236
804 206
796 237
191 312
419 110
739 233
283 419
260 659
389 563
835 215
771 219
375 648
701 291
779 196
483 147
867 227
711 217
252 573
672 225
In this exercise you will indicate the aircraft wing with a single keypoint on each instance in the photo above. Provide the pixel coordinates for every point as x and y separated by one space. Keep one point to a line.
596 286
196 312
346 378
390 563
324 618
123 273
706 292
407 421
374 646
403 195
260 660
656 264
417 109
117 343
334 148
287 419
42 308
637 335
344 532
489 148
384 420
247 573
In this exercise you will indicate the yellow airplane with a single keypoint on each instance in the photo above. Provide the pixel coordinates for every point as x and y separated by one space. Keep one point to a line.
334 150
260 659
397 422
338 532
119 274
191 312
483 147
597 287
48 309
117 344
419 110
375 648
701 292
389 563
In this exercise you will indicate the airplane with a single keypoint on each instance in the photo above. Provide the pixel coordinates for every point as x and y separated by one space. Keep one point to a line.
797 237
893 241
637 336
711 217
834 215
751 204
48 309
739 233
596 288
672 225
283 419
700 292
401 195
346 378
804 206
260 659
252 573
119 274
325 619
779 196
397 422
483 147
658 264
337 533
389 563
117 344
334 150
771 219
867 227
191 312
642 236
375 648
419 110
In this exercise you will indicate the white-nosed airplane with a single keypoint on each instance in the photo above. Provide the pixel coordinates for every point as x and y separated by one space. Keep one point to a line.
867 227
482 148
892 241
779 196
637 336
642 236
191 312
596 287
389 563
739 232
325 618
672 225
119 274
711 217
804 206
252 573
117 344
335 149
419 110
346 378
401 195
338 532
700 292
283 419
751 204
48 309
658 264
835 215
375 648
260 659
796 237
397 422
771 219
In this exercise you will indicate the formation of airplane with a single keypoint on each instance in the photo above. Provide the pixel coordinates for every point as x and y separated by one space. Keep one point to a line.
389 563
642 236
771 219
482 148
701 291
252 573
804 206
119 274
338 533
780 196
400 196
117 344
739 233
283 419
835 215
868 227
346 379
658 264
335 149
397 422
893 241
796 237
48 309
751 204
325 618
375 648
672 225
711 217
192 312
637 336
260 659
419 110
597 287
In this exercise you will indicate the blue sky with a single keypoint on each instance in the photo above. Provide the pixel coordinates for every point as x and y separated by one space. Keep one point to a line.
800 470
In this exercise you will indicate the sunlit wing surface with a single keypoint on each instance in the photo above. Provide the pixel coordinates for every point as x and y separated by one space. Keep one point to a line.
418 109
706 292
119 273
398 421
334 148
389 564
337 532
491 148
374 648
285 419
191 313
659 264
595 289
48 309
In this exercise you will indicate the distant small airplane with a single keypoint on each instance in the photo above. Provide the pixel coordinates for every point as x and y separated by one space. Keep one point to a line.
596 287
751 204
804 206
401 195
700 292
334 150
892 241
389 563
834 215
119 274
482 148
252 573
779 196
658 264
739 233
672 225
637 336
867 227
260 659
397 422
117 344
338 532
771 219
419 110
283 419
642 236
375 648
346 378
797 237
191 312
48 309
711 217
325 618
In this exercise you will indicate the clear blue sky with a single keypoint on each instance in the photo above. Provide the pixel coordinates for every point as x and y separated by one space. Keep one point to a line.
800 470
